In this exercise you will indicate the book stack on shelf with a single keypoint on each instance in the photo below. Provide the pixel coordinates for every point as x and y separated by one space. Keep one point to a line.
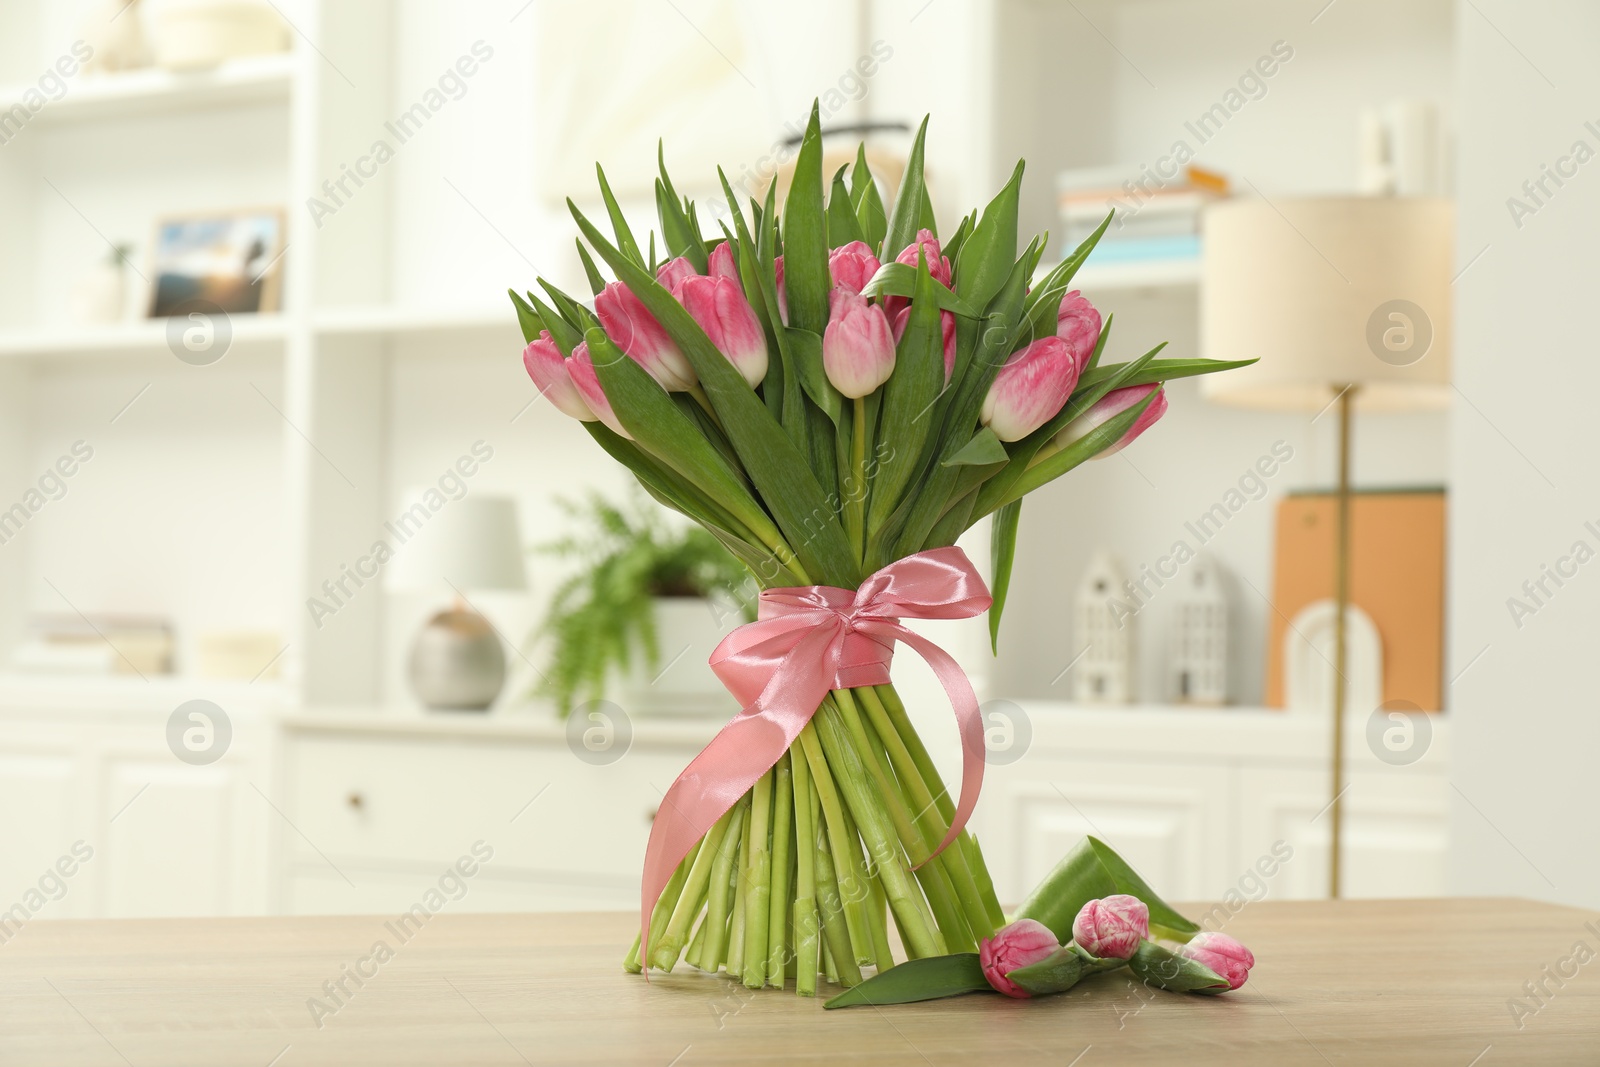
82 646
1157 219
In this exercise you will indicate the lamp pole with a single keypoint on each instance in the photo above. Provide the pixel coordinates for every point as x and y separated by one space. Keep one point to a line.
1341 601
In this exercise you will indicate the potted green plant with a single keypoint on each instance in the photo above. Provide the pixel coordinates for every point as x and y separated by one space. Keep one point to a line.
638 619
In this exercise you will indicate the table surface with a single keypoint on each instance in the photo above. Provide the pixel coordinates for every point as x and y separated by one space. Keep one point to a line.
1349 982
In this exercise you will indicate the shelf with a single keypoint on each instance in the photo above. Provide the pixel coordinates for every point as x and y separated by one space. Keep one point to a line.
386 322
150 92
131 694
139 338
1139 274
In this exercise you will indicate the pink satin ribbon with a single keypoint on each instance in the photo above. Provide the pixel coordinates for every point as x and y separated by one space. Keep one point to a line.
808 640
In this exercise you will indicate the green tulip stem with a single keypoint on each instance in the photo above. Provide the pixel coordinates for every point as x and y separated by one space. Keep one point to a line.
805 895
718 903
665 949
844 968
758 873
822 776
783 825
853 488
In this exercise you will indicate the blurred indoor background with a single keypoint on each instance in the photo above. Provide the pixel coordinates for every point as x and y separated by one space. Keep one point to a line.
254 326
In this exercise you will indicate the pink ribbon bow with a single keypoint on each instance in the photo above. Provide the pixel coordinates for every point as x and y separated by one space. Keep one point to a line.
807 641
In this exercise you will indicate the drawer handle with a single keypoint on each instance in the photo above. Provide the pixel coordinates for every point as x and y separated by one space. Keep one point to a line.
356 801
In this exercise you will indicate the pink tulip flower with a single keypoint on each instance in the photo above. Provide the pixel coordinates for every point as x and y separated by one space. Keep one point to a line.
581 367
938 266
947 329
1222 954
548 369
857 346
672 273
720 308
853 265
1109 407
1030 389
636 332
1021 944
1078 324
1112 927
722 264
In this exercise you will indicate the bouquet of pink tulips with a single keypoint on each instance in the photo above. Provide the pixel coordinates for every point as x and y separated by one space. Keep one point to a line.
836 395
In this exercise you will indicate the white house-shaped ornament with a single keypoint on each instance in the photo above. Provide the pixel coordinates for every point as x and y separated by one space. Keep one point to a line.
1104 625
1197 652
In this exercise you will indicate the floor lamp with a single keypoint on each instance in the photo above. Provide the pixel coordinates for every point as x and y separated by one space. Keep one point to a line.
1346 303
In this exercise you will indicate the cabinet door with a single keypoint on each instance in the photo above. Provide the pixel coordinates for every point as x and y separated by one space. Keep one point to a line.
170 851
38 794
1395 835
1171 822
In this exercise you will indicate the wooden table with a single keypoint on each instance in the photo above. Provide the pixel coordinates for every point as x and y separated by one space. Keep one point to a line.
1361 982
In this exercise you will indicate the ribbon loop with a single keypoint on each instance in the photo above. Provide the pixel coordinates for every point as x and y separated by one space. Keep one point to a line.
806 642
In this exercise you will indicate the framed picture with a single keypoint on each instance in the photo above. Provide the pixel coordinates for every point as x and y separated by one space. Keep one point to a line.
229 260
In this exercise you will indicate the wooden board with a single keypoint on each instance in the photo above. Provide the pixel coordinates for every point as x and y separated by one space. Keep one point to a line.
1351 982
1397 577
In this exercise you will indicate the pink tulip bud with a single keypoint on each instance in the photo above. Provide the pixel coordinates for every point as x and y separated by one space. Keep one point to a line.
1030 389
581 367
672 273
636 332
1222 954
548 369
947 328
720 308
1112 927
1078 324
852 265
857 346
1021 944
722 264
938 265
783 297
1109 407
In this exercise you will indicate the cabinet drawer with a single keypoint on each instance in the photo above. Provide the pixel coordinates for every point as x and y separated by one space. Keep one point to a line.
427 800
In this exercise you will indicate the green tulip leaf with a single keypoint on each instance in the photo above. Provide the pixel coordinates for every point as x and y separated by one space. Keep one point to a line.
1056 973
1161 370
805 235
929 978
900 279
986 258
984 448
1164 969
843 226
805 350
1092 871
527 318
619 223
1003 550
867 201
596 282
906 218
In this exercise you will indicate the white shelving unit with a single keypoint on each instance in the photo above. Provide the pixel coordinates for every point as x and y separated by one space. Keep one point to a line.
247 483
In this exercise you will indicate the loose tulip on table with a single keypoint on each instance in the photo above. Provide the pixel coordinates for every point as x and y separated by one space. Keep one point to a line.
837 395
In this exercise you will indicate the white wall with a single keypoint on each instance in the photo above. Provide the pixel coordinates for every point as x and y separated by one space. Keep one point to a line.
1523 473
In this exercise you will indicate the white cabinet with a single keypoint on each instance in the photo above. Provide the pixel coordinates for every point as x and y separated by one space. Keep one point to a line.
383 804
90 785
1201 802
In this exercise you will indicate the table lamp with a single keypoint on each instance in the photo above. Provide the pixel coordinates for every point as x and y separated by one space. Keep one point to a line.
466 545
1346 302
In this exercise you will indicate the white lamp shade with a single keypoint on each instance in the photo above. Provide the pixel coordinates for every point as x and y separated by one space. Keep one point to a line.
471 544
1329 292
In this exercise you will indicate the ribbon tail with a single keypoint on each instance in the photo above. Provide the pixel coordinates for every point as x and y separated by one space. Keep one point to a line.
745 749
969 720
